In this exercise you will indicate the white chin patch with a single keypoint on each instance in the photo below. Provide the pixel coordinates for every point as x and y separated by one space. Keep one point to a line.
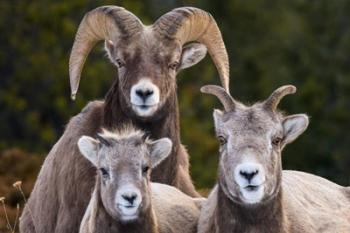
144 110
144 97
253 195
128 213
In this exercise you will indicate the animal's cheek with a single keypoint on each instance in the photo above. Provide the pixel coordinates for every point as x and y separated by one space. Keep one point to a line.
166 88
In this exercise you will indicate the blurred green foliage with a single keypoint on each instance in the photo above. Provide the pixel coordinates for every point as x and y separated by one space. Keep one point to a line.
270 43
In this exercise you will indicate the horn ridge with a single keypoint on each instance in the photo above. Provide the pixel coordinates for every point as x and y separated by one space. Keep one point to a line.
188 24
102 23
274 99
225 98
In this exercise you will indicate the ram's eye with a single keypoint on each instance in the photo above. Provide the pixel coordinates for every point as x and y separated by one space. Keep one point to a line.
119 62
104 173
174 65
222 140
145 169
276 141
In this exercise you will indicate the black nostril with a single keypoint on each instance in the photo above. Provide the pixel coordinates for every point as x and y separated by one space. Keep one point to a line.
130 198
248 175
144 93
148 92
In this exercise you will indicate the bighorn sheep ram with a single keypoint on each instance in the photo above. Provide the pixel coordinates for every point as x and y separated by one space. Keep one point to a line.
144 95
253 194
124 199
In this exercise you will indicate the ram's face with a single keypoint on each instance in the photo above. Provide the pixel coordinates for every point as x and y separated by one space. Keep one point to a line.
251 143
252 138
123 161
147 69
250 162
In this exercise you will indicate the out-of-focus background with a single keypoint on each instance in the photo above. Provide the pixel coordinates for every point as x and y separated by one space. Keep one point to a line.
270 43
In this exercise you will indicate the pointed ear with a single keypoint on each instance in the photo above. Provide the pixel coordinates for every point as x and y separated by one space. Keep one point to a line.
293 126
109 47
217 114
192 54
159 150
89 148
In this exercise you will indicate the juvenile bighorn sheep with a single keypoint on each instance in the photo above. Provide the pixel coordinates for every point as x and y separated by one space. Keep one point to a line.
124 199
144 95
253 194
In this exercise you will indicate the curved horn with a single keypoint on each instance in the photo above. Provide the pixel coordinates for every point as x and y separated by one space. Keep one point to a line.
274 99
192 24
102 23
224 97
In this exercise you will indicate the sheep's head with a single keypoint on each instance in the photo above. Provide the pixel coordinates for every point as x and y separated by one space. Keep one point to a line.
124 161
148 57
252 138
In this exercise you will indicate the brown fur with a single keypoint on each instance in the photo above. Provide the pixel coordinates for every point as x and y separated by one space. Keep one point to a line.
292 202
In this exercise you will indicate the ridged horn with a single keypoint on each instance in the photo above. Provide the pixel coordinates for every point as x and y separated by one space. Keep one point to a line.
272 102
102 23
225 98
192 24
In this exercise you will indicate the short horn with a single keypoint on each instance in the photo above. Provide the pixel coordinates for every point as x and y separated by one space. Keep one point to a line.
192 24
225 98
102 23
272 102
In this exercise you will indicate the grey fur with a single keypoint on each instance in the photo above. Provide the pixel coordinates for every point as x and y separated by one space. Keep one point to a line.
163 208
292 202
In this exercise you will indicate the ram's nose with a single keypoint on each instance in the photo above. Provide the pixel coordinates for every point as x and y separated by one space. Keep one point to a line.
249 175
144 93
130 197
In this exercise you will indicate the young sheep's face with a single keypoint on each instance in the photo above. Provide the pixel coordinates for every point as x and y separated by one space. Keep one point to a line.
147 68
250 153
124 168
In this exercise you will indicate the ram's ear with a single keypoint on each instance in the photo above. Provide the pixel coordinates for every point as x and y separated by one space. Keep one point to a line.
88 147
159 150
192 54
293 127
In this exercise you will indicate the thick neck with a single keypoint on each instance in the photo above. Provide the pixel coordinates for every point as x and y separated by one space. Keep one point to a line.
104 223
165 123
234 217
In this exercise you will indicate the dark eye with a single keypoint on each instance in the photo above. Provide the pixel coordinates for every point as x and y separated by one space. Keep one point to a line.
174 65
145 169
120 63
104 173
222 140
276 141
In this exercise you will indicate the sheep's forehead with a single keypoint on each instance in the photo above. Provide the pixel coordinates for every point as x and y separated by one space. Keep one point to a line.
123 150
250 120
149 46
